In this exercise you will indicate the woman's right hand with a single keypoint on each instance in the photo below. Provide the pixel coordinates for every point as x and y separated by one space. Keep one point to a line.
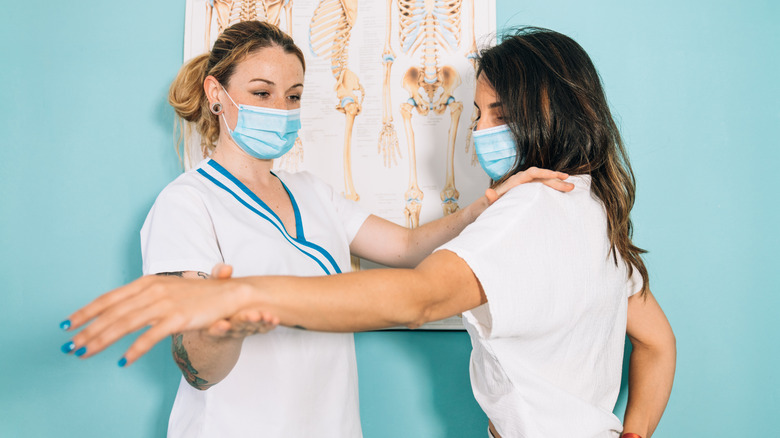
550 178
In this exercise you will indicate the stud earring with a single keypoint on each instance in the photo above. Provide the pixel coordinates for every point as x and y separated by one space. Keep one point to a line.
216 108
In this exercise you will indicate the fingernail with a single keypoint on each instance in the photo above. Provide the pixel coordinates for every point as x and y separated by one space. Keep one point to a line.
122 362
64 325
81 351
67 347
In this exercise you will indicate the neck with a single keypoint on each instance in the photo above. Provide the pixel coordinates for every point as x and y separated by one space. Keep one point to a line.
248 169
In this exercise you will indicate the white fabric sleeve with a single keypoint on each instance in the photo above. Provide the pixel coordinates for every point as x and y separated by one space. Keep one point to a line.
350 213
178 234
635 282
492 246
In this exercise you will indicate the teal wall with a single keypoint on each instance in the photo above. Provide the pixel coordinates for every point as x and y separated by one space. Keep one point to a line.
86 143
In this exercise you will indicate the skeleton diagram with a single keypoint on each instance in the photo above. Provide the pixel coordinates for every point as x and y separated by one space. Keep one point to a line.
329 33
425 26
230 12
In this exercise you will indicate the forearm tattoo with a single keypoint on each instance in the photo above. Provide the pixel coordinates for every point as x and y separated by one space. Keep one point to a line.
171 274
180 355
180 274
183 361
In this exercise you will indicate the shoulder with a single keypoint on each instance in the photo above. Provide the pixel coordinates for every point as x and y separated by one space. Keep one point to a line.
188 188
537 196
515 203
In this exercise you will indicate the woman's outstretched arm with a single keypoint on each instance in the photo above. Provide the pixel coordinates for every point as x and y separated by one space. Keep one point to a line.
442 285
651 366
206 357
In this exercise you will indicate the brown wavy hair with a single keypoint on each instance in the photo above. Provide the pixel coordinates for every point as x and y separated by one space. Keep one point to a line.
553 101
187 96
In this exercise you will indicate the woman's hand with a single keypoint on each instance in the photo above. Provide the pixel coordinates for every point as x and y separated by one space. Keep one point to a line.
550 178
244 323
167 304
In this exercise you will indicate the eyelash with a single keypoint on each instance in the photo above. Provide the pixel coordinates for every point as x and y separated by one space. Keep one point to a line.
265 94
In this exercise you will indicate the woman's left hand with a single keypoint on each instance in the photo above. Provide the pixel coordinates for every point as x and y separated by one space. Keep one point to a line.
550 178
244 323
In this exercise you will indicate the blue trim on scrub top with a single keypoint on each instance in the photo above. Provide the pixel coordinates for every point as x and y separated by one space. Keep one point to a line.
299 236
238 198
298 222
218 167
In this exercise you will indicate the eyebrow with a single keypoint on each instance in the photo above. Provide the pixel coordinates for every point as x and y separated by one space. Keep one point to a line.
491 106
272 83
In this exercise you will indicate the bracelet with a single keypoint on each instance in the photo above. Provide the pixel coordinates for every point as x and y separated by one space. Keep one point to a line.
630 435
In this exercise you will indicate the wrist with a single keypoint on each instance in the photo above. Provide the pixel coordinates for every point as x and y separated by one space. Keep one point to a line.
251 293
479 206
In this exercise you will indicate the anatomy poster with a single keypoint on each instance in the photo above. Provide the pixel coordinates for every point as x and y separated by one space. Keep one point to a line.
387 107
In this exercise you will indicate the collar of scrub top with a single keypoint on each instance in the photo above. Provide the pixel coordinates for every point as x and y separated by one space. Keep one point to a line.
247 197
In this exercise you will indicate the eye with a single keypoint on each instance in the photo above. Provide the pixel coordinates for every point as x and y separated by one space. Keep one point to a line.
262 94
295 97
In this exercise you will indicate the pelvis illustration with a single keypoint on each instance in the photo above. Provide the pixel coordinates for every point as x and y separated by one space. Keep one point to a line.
427 28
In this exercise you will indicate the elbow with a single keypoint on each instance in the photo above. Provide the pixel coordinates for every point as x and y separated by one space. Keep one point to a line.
670 342
198 383
420 315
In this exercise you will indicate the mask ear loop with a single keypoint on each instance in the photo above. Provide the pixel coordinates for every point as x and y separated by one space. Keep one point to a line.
228 95
222 113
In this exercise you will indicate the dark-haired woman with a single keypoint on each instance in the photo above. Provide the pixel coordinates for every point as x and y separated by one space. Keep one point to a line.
548 283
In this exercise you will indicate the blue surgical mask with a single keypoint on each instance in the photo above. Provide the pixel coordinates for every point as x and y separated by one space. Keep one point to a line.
265 133
496 150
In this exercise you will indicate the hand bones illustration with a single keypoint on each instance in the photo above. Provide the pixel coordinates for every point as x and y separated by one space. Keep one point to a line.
427 26
329 33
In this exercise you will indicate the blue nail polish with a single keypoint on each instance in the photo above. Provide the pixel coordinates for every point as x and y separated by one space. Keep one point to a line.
81 351
122 362
64 325
67 347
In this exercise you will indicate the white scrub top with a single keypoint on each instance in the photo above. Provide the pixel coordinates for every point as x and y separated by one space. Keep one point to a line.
288 382
548 345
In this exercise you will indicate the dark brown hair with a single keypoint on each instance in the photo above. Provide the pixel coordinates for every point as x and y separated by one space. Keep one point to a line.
187 95
553 101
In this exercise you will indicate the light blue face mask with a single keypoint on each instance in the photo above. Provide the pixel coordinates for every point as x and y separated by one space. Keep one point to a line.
265 133
496 150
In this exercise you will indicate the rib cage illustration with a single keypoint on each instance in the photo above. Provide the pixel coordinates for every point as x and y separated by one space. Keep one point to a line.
230 12
329 34
426 27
